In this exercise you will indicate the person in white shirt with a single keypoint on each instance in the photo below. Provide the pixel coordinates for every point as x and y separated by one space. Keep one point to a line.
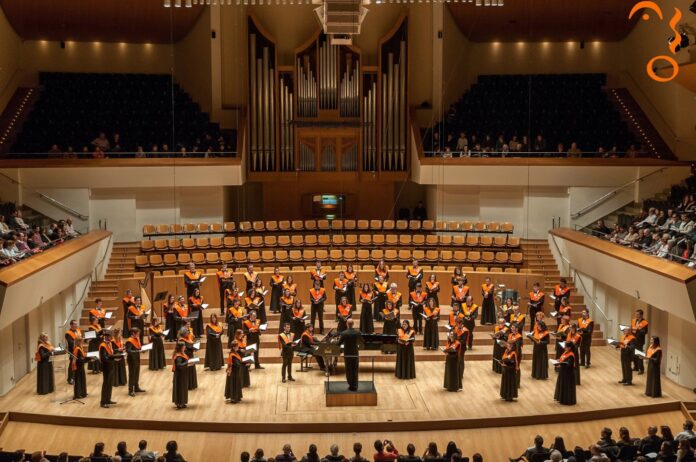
462 143
688 431
4 229
650 220
686 226
69 229
664 247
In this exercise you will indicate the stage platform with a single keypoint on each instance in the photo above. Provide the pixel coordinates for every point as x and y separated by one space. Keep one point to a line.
338 394
270 406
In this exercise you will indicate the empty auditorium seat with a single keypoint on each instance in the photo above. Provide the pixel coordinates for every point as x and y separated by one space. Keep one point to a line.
513 241
284 225
310 240
432 240
446 256
375 225
336 255
258 226
460 256
378 239
405 239
501 257
365 239
493 227
229 242
270 241
480 226
297 240
516 258
446 240
281 255
418 239
337 225
243 241
391 239
162 245
188 244
310 225
268 256
190 228
170 259
295 255
487 257
418 255
271 226
472 240
142 260
198 258
216 228
351 239
452 226
183 259
245 226
322 254
202 243
147 246
212 258
466 226
390 255
176 228
149 230
240 257
388 225
428 225
473 256
404 255
432 256
162 229
414 225
202 228
499 241
401 225
226 257
363 225
486 241
284 241
349 225
323 240
254 256
338 239
216 243
440 226
297 225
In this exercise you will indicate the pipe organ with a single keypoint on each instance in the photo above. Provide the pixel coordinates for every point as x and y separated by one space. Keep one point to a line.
326 111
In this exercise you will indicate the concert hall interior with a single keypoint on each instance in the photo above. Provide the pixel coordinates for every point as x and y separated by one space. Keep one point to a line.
347 230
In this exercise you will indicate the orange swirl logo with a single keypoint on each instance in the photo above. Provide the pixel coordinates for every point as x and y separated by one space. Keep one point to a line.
648 5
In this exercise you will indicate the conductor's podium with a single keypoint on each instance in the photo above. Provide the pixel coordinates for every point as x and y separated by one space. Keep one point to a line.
338 394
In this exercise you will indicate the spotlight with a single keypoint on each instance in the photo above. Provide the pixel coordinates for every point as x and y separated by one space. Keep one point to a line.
683 41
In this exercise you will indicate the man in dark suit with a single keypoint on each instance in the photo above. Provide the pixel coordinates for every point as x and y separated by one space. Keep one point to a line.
350 339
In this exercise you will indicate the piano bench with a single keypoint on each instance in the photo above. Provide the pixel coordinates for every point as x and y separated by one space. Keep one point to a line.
305 358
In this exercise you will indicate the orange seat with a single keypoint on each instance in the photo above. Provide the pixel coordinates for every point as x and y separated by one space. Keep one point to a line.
404 255
405 239
211 258
254 256
486 241
281 255
432 240
258 226
418 239
460 256
493 227
243 241
480 226
297 240
499 241
338 239
513 241
202 243
452 226
284 225
149 230
245 226
297 225
267 256
473 256
270 241
229 242
216 228
388 225
142 260
202 228
323 225
349 225
375 225
216 243
466 226
363 225
147 246
198 258
507 227
226 257
351 239
335 255
390 255
170 259
428 225
391 239
516 258
472 241
229 227
162 229
188 244
284 241
271 226
487 257
337 225
401 225
501 257
190 228
349 255
378 239
183 259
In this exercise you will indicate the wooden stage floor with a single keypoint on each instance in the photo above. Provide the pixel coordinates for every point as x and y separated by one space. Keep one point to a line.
273 407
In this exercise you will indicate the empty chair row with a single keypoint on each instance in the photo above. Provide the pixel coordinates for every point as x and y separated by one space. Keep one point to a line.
325 240
328 225
336 255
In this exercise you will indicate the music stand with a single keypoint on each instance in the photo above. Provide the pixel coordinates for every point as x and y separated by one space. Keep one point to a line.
158 298
69 355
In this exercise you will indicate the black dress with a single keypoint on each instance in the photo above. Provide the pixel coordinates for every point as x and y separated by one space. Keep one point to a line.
565 382
93 345
169 323
45 380
405 357
508 381
498 350
120 378
213 349
196 310
180 386
276 293
367 325
540 358
192 376
432 292
488 307
285 313
431 333
653 386
391 326
157 358
246 376
80 384
297 325
453 380
233 384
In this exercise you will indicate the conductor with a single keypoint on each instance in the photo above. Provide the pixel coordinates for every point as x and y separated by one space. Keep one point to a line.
350 339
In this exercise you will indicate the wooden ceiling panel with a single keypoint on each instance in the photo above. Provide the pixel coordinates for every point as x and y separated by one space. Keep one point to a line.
545 20
132 21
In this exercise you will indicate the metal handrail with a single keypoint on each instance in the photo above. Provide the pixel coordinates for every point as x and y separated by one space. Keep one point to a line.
92 278
602 199
61 205
576 275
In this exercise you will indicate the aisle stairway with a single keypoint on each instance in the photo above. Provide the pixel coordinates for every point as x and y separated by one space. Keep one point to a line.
633 209
539 260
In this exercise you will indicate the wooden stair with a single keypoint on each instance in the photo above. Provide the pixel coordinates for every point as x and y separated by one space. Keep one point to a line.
121 265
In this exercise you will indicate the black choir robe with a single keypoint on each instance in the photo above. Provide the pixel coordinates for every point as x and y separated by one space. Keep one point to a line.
213 349
78 366
367 325
405 356
498 350
119 376
453 381
487 304
106 357
233 384
565 382
157 359
508 381
276 292
133 360
653 385
45 380
180 378
190 352
540 357
431 333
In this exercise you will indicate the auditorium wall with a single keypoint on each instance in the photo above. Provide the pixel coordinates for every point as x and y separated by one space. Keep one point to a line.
192 62
9 60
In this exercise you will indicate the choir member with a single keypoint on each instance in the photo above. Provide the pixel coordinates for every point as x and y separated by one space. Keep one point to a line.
560 292
107 357
394 296
45 380
276 283
380 289
157 359
79 358
515 339
564 309
517 318
225 281
508 381
382 270
405 356
536 301
487 302
586 329
460 292
317 297
507 309
454 314
639 328
452 350
126 301
560 334
462 334
500 333
119 374
186 336
367 298
136 313
432 288
470 312
540 355
414 274
458 275
213 348
98 312
242 342
252 302
192 279
653 386
390 314
180 378
232 294
573 336
417 299
260 300
133 350
195 306
181 313
340 287
307 345
344 313
285 345
93 345
252 329
233 384
565 382
235 318
71 336
290 285
627 345
169 313
298 318
286 303
431 338
250 278
317 274
352 278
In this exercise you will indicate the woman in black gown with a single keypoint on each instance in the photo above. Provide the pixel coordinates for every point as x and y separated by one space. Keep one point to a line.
213 348
380 290
432 288
653 386
287 301
453 380
157 359
169 322
488 302
260 294
233 384
78 366
120 376
180 368
540 355
565 382
390 314
242 342
277 281
405 356
186 336
500 332
195 305
431 335
93 345
298 318
45 380
508 381
352 278
367 298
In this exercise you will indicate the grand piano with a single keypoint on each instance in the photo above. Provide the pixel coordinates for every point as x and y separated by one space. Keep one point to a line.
329 347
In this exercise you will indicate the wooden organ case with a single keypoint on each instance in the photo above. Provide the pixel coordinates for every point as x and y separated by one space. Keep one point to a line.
327 112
